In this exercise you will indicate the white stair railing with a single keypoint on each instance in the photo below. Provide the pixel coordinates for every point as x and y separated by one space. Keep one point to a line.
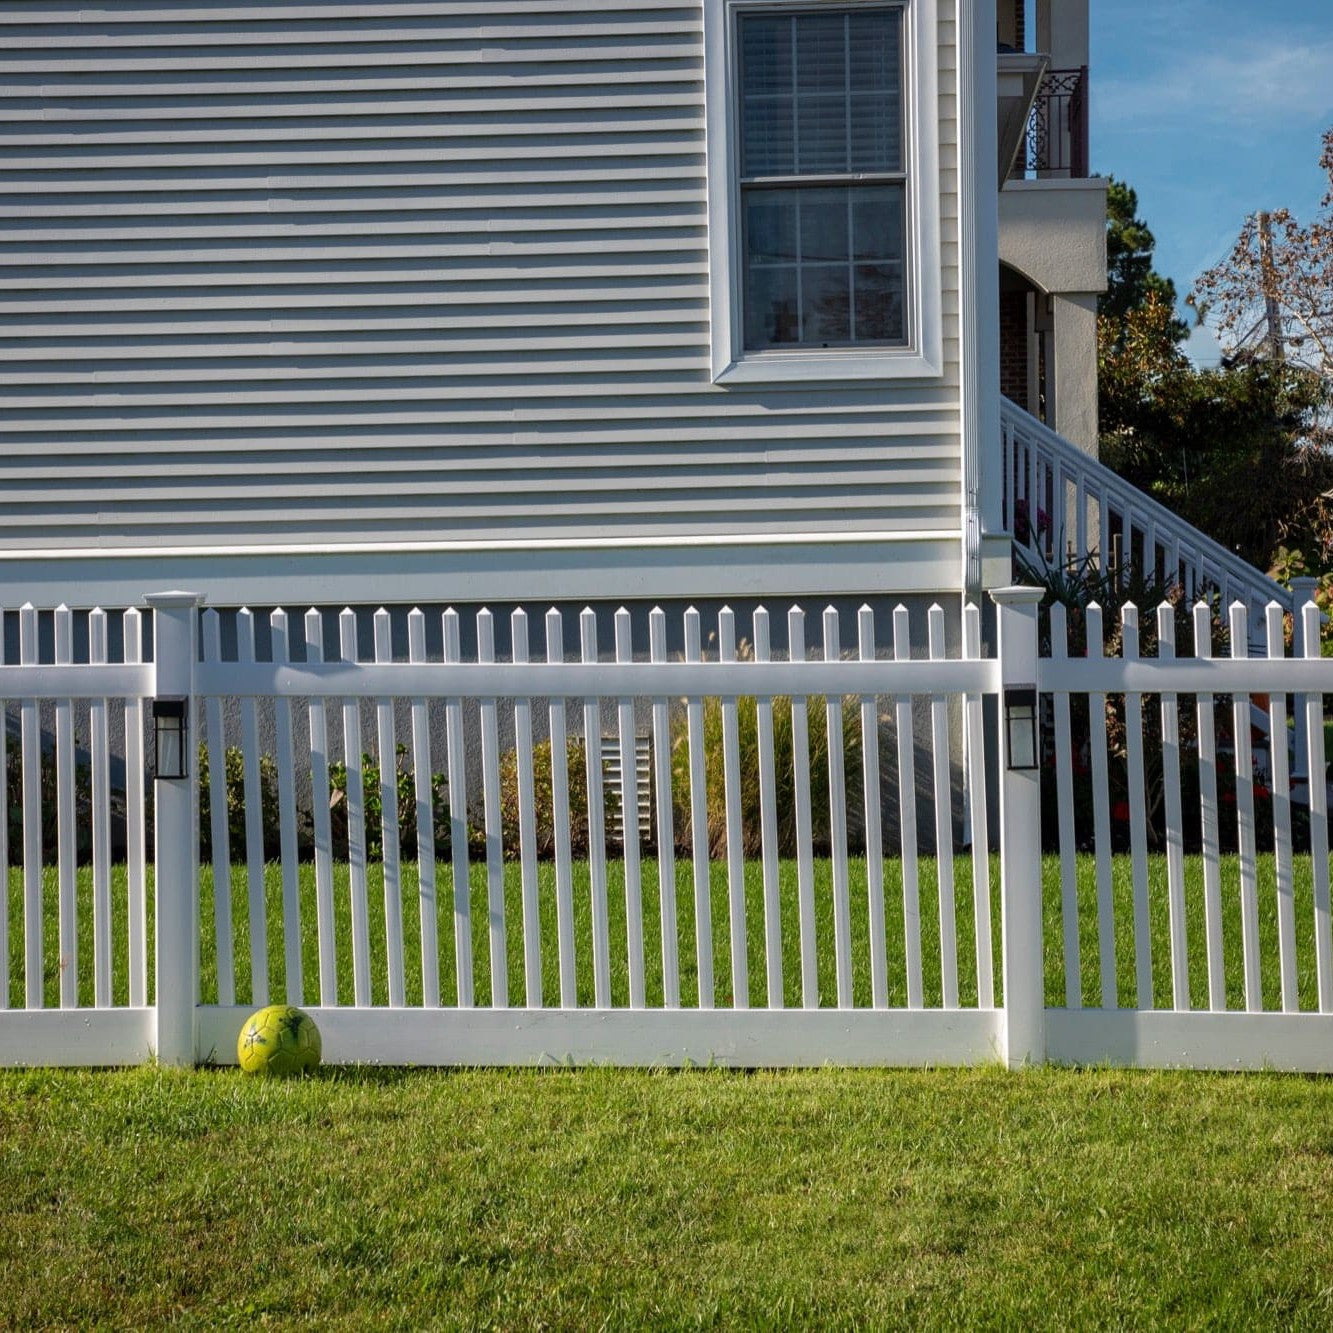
1062 505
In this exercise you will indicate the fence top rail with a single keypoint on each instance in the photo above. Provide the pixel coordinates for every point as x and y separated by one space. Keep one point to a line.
82 681
1186 675
596 679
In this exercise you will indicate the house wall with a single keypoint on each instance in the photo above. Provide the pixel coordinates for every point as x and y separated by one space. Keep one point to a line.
409 299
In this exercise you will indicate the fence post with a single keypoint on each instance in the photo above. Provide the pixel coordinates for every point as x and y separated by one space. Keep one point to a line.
1302 591
1020 841
175 855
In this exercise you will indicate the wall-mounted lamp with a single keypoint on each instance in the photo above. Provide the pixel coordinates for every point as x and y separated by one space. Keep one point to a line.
1020 728
169 736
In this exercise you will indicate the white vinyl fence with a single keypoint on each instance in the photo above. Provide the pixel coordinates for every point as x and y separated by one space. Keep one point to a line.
832 862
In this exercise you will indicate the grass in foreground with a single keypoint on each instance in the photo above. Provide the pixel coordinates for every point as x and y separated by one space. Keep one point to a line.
616 1198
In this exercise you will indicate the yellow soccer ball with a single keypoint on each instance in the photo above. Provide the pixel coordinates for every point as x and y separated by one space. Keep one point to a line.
279 1040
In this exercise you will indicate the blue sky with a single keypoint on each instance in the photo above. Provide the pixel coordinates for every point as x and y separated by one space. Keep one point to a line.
1211 109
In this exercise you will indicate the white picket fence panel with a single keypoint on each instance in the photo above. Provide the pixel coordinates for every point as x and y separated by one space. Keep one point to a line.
739 893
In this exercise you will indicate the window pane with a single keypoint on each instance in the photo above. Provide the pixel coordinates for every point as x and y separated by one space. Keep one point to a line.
825 304
771 311
767 116
879 303
823 224
877 222
875 79
770 225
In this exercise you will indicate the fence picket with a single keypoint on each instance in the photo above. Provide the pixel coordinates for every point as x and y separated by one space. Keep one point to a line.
323 834
356 821
1138 815
456 772
1175 833
1208 830
976 789
490 790
1101 816
423 794
1281 793
805 860
564 887
66 833
219 828
837 781
527 821
939 738
1064 790
1314 732
768 818
136 872
4 835
629 821
879 977
254 817
99 746
902 712
30 741
291 887
731 799
666 851
592 753
703 909
386 746
1245 833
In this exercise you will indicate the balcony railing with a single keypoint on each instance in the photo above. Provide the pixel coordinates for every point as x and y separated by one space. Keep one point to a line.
1057 136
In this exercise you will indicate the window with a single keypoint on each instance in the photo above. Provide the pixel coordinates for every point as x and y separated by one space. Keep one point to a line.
823 195
822 185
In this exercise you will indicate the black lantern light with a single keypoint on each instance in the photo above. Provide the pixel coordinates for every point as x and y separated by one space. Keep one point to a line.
169 729
1020 728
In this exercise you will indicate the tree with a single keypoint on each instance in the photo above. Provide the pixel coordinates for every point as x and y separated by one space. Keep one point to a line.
1131 278
1279 273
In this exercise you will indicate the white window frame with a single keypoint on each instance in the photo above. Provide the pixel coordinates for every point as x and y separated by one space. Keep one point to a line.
923 355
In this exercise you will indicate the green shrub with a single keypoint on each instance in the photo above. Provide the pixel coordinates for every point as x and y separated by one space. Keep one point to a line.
747 719
234 781
541 781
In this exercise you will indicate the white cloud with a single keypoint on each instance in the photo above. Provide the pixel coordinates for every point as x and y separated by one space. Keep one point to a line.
1250 85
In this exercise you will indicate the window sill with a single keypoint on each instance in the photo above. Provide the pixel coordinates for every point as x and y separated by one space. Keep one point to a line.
819 366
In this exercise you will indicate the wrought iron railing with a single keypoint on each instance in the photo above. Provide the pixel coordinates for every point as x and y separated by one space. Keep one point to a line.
1057 137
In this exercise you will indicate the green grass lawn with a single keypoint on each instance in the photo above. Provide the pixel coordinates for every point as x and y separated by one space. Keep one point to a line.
1055 984
605 1198
612 1198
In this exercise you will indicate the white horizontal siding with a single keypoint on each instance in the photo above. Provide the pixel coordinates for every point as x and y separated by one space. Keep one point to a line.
296 272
